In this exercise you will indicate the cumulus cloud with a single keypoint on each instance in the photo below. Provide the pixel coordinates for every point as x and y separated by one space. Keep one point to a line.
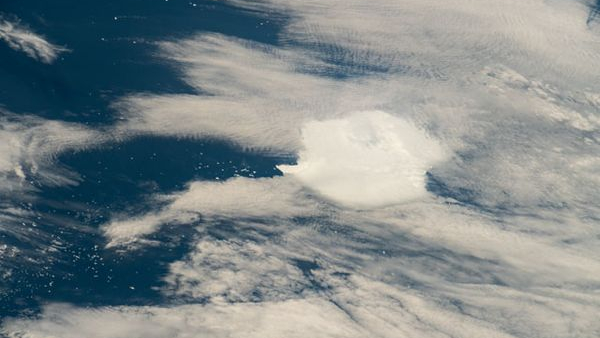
21 38
368 159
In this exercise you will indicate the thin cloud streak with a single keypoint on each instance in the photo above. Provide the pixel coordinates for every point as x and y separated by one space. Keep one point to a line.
503 241
22 39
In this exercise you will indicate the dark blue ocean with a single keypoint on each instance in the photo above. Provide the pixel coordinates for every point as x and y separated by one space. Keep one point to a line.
111 54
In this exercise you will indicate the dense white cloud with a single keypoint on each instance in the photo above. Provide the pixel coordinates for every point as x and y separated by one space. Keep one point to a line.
368 159
20 38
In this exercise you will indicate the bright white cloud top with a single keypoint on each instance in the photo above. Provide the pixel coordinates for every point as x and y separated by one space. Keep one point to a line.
367 159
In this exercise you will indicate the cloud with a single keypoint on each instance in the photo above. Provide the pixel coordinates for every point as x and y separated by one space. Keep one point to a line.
248 106
368 159
357 307
294 318
237 198
499 239
28 145
20 38
236 271
459 35
424 268
493 115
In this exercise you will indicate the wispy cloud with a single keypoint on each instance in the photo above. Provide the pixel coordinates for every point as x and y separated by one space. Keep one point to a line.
29 144
236 198
21 38
294 318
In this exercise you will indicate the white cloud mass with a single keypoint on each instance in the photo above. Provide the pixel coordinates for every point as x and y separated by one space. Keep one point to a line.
368 159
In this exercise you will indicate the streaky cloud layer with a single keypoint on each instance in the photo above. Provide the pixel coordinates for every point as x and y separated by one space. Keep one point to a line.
237 198
28 145
294 318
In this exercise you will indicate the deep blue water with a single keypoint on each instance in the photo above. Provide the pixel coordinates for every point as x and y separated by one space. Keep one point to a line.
594 13
111 55
118 178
